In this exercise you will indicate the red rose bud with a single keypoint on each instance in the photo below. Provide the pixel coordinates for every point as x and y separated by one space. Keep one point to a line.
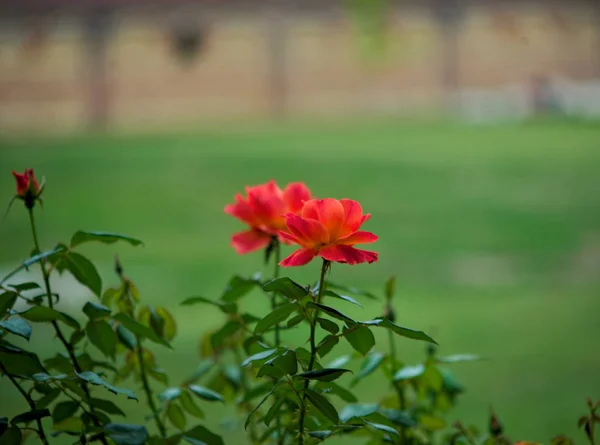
28 188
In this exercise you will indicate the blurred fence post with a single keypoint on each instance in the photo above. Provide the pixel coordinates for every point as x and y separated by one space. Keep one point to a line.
96 32
277 47
448 15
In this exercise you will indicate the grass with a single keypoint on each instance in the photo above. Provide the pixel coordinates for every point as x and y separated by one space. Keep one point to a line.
493 232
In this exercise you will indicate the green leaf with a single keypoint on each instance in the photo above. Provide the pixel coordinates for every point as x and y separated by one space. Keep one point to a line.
169 394
17 326
107 406
258 406
95 379
125 434
12 436
29 262
43 377
139 329
332 313
48 398
381 427
190 406
277 316
126 337
351 290
369 365
95 310
321 435
81 237
390 288
19 362
339 362
7 301
42 314
227 330
409 372
325 374
30 416
330 293
337 390
237 288
432 423
328 325
399 417
84 271
64 410
326 345
403 332
459 358
286 287
274 410
102 336
281 364
22 287
258 356
206 394
361 339
176 416
159 375
357 410
202 434
228 308
294 321
72 425
323 405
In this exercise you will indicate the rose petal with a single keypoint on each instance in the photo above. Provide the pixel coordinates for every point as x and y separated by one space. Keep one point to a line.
353 214
359 237
242 211
295 195
249 241
298 258
267 203
346 254
308 232
287 238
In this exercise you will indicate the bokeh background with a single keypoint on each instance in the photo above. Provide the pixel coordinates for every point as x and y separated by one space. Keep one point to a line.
469 129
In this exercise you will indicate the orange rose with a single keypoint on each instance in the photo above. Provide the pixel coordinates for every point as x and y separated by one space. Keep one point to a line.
329 228
264 210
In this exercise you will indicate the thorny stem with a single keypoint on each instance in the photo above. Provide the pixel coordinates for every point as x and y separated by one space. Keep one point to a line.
313 351
277 244
56 327
30 402
147 390
397 385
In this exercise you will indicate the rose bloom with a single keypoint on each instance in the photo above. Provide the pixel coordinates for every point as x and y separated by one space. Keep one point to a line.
26 183
328 228
263 210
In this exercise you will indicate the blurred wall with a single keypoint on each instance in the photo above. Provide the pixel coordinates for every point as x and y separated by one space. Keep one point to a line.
65 71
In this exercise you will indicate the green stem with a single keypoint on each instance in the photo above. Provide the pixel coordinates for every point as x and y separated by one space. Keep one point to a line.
56 327
30 402
397 385
244 383
147 390
280 435
313 352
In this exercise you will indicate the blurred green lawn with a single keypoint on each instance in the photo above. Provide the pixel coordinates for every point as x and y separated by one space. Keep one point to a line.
492 231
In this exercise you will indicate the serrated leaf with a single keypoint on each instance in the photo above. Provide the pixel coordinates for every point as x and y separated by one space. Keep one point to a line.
202 434
102 336
357 410
459 358
264 399
258 356
29 416
277 316
361 339
324 375
17 326
369 365
81 237
403 332
126 434
328 325
323 405
351 290
139 329
42 314
337 390
381 427
31 261
237 288
95 310
84 271
64 410
176 415
95 379
398 417
327 344
169 394
126 337
286 287
19 362
332 313
107 406
228 308
190 406
206 394
48 398
409 372
294 321
281 364
169 323
43 377
11 436
7 301
321 435
330 293
23 287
